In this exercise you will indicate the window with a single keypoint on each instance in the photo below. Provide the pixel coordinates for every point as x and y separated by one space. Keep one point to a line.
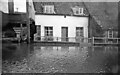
48 31
81 10
48 9
38 30
79 34
78 11
48 34
79 31
110 33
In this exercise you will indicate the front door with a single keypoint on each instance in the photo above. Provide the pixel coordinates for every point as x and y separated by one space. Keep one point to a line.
64 33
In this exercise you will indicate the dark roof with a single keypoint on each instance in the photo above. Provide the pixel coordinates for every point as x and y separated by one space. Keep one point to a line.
63 15
105 13
60 7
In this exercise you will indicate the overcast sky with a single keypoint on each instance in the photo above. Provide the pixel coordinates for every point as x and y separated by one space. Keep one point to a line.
19 5
79 0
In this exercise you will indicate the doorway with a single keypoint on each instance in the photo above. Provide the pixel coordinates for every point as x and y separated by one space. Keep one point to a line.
64 33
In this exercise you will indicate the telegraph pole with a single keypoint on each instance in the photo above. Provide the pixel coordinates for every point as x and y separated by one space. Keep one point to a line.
28 21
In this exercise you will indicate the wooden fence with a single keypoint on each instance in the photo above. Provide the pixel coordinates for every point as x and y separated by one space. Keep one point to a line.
105 40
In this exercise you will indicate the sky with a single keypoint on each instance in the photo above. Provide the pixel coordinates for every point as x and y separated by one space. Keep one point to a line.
78 0
19 5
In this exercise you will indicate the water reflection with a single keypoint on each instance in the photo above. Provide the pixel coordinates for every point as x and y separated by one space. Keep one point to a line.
65 59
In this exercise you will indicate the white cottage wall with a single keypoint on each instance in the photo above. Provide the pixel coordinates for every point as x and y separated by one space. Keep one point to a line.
58 21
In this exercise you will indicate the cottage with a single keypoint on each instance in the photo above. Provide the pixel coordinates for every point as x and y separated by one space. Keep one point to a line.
66 27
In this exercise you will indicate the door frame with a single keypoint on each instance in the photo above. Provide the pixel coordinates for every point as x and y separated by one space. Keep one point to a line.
66 37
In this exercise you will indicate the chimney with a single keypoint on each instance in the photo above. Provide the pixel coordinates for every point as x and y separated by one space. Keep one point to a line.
11 6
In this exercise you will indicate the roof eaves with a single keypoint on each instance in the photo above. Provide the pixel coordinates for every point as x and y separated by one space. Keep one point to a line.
62 15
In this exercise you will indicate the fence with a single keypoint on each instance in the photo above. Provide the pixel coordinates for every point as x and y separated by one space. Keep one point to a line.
93 40
105 40
62 39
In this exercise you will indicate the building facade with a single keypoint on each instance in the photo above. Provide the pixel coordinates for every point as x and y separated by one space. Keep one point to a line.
106 18
61 26
55 24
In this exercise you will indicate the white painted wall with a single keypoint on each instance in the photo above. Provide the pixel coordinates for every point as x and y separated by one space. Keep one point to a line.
20 4
4 6
58 21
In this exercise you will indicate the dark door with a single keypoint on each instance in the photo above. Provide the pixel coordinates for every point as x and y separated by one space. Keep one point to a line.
64 33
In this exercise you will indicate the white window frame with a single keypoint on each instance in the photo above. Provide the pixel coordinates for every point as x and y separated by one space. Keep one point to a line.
79 31
48 32
80 10
110 34
48 9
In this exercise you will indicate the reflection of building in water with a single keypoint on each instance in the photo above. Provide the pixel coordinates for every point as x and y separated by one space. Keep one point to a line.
64 48
110 49
72 48
57 48
90 51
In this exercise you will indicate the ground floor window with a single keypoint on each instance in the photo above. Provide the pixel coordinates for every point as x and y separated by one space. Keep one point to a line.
39 30
48 33
110 34
79 33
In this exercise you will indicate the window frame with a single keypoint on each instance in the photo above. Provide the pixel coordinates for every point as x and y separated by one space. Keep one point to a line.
48 30
110 33
79 30
48 9
78 10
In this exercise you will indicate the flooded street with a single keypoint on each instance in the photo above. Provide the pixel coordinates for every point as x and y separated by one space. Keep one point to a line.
33 58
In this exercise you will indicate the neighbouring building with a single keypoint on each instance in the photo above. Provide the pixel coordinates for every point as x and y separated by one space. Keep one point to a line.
3 9
111 33
16 20
63 21
105 17
119 19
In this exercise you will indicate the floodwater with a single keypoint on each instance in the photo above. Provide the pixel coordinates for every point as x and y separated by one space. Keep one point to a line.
24 58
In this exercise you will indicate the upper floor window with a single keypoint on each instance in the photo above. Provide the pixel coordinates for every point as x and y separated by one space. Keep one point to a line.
78 11
48 9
